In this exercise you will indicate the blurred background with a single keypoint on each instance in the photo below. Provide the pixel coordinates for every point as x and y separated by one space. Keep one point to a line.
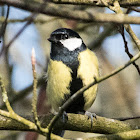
117 97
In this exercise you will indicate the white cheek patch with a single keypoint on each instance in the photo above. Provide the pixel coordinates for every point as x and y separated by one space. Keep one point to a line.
72 43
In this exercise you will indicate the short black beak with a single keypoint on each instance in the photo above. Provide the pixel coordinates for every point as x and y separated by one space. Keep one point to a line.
52 40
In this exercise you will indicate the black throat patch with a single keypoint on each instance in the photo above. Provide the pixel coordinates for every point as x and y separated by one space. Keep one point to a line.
70 58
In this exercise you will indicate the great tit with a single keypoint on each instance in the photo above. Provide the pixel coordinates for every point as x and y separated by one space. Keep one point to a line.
71 66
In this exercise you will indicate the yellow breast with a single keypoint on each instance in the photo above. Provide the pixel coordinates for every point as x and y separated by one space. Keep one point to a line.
58 73
88 69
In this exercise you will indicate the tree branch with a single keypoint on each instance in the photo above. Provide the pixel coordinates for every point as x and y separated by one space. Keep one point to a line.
128 118
117 9
19 33
123 3
128 135
34 98
84 16
121 30
101 37
35 21
4 24
75 122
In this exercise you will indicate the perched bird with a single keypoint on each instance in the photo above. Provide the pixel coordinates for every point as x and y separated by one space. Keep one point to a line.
72 65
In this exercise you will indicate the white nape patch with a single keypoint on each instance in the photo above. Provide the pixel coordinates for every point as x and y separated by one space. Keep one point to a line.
72 43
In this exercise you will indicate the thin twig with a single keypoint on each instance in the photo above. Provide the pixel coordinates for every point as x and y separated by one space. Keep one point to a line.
133 35
30 20
117 9
18 118
99 40
127 118
121 30
135 9
23 93
19 32
34 99
3 27
5 97
11 113
35 21
79 92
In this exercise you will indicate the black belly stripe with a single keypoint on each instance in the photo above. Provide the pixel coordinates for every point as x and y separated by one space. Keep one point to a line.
78 105
71 60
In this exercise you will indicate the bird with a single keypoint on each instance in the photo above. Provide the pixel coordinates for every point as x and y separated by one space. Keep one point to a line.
71 66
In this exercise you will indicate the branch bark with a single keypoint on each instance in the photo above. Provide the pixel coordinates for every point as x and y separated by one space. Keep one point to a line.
84 16
123 3
129 135
75 122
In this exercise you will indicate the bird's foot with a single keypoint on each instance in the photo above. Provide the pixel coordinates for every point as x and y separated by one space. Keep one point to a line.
64 117
91 116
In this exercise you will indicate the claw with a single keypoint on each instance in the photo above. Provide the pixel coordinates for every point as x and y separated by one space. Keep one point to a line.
91 116
64 116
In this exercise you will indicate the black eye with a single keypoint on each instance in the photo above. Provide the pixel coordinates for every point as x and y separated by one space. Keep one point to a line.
66 36
61 36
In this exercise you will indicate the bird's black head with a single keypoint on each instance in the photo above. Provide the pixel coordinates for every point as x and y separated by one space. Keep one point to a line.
66 38
63 34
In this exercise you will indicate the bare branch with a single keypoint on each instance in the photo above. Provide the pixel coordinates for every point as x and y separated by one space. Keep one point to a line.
35 21
98 2
5 97
99 40
134 9
22 94
19 33
63 12
128 135
133 35
116 8
75 122
128 118
34 98
121 30
11 114
3 27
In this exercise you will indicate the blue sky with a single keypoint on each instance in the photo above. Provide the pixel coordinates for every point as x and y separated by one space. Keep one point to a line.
21 48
